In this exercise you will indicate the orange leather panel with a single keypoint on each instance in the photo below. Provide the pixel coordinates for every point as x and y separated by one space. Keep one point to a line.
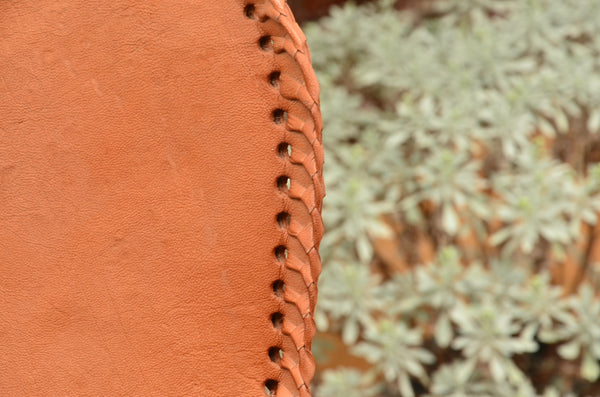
149 243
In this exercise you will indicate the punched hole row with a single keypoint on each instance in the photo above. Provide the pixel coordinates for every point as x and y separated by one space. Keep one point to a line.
281 253
284 150
283 183
275 353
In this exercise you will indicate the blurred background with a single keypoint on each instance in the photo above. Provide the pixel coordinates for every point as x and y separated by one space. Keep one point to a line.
462 249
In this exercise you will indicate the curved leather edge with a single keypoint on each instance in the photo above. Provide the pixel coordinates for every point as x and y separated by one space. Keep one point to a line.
299 114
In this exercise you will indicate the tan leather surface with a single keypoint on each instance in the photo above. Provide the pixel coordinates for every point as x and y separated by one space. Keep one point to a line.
149 245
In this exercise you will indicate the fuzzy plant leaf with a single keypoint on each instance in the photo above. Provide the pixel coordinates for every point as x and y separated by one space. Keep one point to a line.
462 169
351 296
348 382
396 351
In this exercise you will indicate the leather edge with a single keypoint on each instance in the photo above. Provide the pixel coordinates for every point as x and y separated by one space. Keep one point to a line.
302 255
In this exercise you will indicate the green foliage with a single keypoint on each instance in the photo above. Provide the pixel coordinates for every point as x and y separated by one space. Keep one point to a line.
348 383
470 121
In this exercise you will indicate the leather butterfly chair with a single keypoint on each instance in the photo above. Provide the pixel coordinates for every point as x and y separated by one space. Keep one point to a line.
160 198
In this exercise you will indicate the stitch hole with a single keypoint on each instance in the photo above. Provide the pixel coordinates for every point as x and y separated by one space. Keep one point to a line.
274 79
266 43
279 288
284 183
284 149
279 116
271 387
281 253
277 320
283 219
250 10
275 354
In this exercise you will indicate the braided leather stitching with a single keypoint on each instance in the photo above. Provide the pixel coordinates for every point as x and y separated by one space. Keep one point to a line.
305 228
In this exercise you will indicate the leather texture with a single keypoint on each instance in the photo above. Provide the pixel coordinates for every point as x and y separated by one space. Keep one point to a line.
160 194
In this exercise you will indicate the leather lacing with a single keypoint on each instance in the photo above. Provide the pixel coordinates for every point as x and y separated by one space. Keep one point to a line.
301 184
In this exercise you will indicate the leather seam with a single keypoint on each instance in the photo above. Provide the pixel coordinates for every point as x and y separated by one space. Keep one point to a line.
301 257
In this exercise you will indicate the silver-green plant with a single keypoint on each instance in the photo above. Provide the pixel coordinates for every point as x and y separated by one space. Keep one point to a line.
470 120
